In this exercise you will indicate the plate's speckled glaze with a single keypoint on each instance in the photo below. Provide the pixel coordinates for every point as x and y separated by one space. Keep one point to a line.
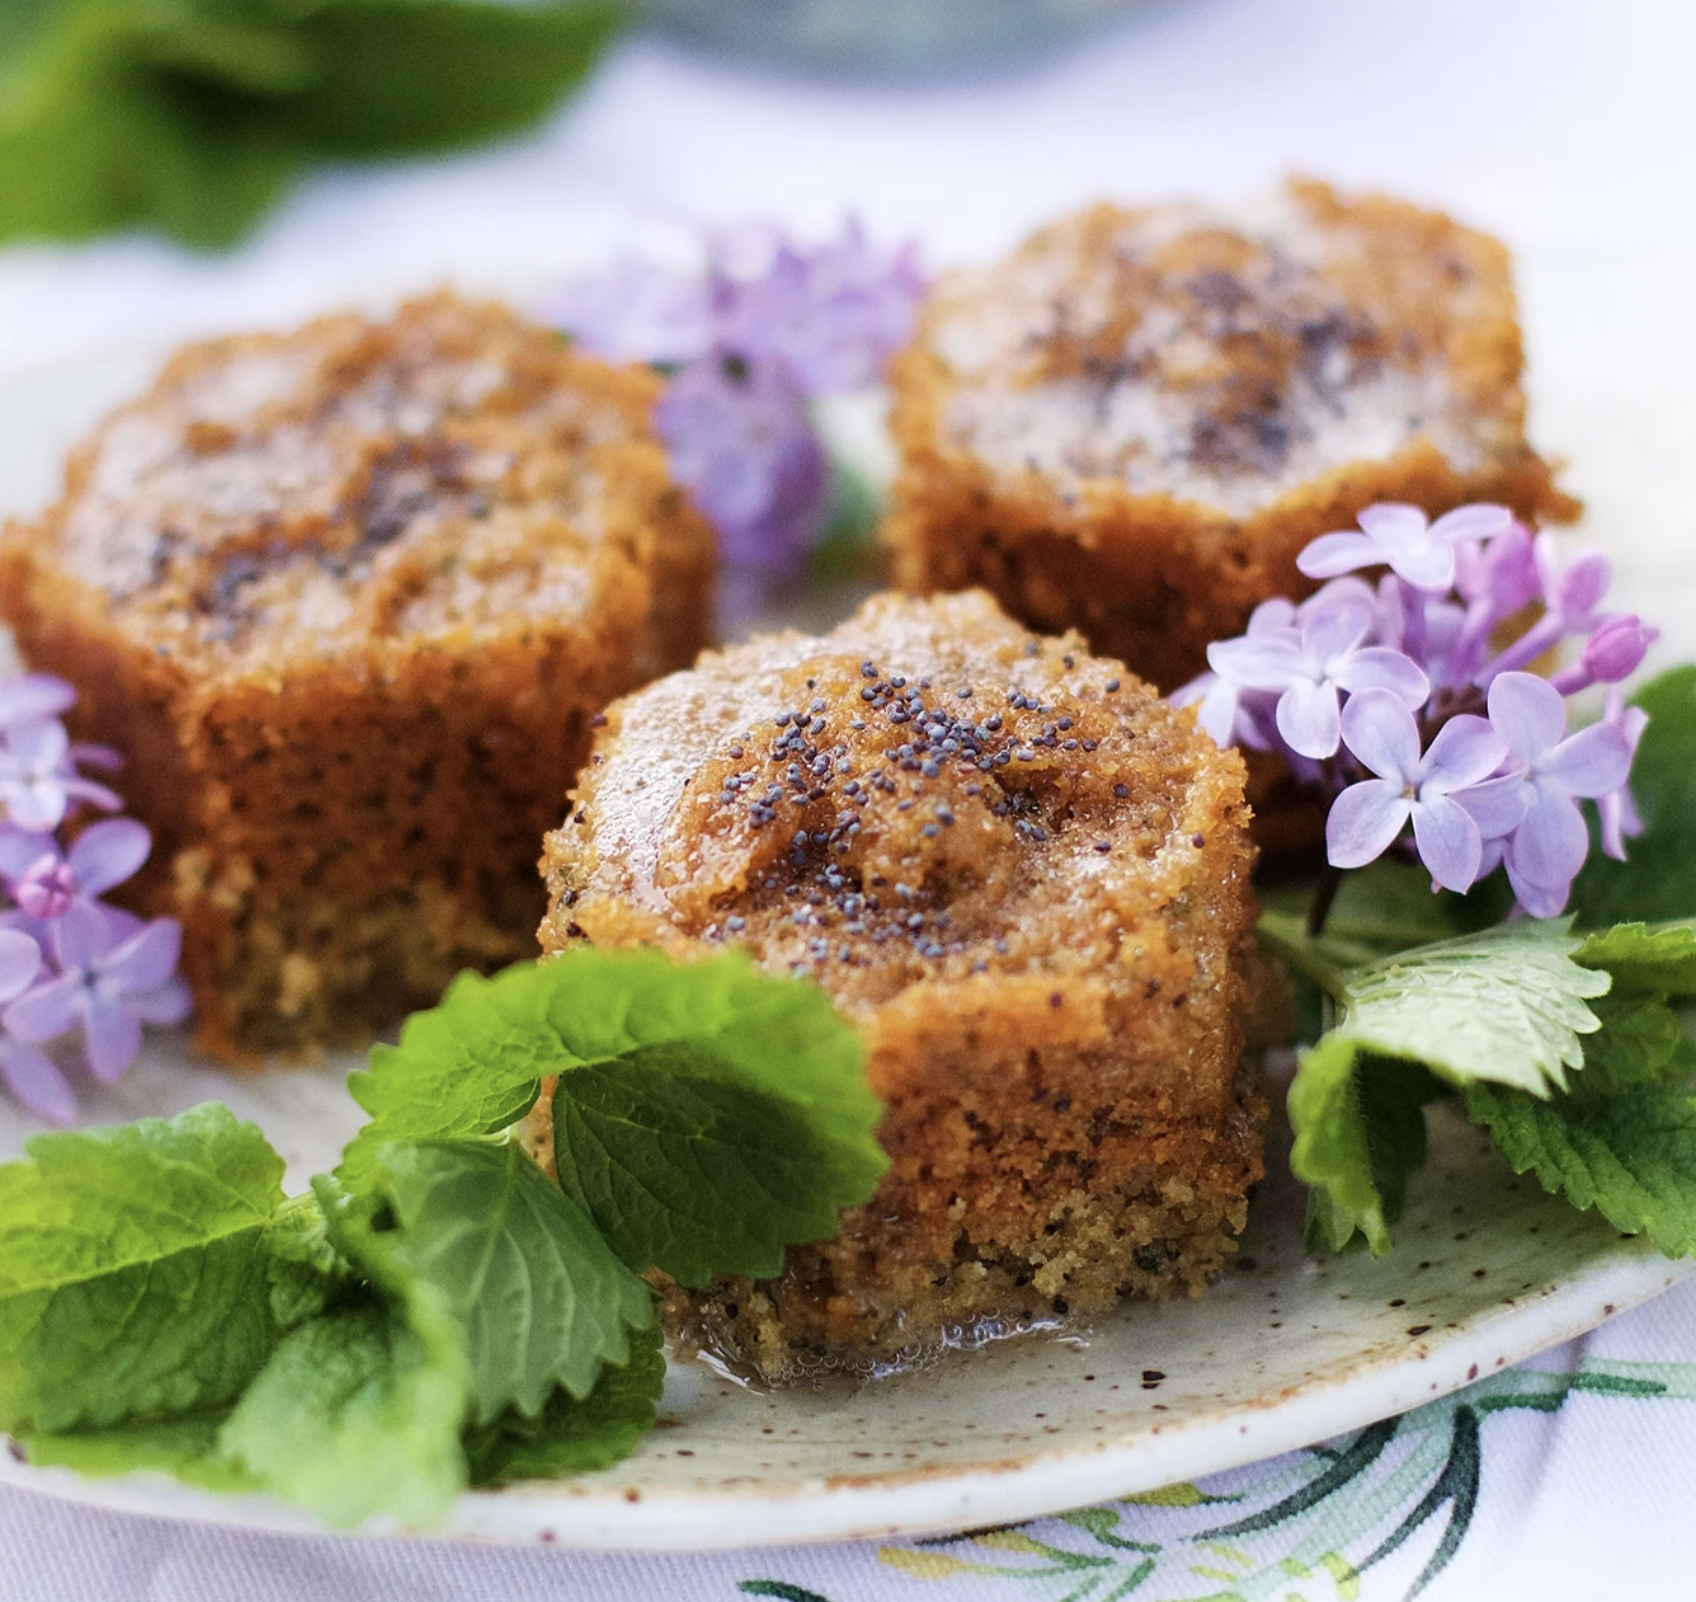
1282 1352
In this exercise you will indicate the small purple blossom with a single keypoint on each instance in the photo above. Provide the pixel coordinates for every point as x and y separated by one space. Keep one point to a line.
640 312
38 777
762 332
1617 810
1418 551
741 443
110 982
1405 695
1553 770
46 884
1569 595
33 697
833 315
1427 789
1613 653
29 1073
69 962
1309 663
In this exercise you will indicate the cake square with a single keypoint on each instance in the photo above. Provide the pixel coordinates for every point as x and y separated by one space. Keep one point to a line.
348 599
1025 879
1132 424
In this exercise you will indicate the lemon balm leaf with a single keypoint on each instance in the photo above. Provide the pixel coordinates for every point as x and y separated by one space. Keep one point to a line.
136 1271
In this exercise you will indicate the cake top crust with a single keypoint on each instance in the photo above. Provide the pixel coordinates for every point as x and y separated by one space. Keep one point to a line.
452 471
1227 357
926 793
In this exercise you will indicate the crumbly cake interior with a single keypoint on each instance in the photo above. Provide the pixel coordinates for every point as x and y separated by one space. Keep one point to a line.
1132 423
1025 879
347 598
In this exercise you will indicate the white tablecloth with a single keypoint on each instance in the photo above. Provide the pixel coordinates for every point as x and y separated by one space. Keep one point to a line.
1568 129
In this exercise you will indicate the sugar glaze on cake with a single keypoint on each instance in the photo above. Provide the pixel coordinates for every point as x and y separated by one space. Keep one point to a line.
1132 423
1025 879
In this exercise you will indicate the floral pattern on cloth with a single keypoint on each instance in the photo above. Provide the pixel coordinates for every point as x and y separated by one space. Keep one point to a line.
1311 1526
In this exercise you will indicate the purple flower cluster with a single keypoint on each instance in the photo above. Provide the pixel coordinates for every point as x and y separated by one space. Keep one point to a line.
69 964
1409 700
767 329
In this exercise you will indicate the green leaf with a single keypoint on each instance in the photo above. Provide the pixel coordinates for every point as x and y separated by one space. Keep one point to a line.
474 1064
135 1271
411 75
357 1414
96 135
185 1448
540 1299
191 117
1631 1157
21 23
1642 1041
705 1143
1506 1005
1645 960
695 1176
1657 881
303 1268
471 1065
1359 1124
359 1411
570 1436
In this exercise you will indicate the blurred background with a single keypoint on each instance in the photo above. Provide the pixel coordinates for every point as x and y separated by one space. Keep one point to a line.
317 143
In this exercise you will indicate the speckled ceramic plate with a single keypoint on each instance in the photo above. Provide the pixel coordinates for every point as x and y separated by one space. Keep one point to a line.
1282 1352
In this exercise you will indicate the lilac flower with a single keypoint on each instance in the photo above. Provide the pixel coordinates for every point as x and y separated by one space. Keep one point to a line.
38 777
1373 693
740 441
33 698
66 959
766 328
1366 819
1553 770
29 1073
1402 538
639 312
1219 698
47 884
1496 580
1500 571
1620 819
1613 653
1570 596
1311 662
110 981
833 315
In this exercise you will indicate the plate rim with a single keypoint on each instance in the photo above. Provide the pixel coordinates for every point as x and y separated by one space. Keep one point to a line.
598 1514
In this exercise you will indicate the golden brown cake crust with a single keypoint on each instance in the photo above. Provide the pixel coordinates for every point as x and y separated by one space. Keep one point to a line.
1133 424
347 599
1025 879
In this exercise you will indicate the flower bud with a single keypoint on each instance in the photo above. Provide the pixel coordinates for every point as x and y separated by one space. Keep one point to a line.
1616 649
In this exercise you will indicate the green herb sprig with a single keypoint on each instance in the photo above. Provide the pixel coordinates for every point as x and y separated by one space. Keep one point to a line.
1563 1039
439 1312
191 118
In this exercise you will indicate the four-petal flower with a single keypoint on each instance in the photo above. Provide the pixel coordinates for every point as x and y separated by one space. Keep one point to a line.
110 982
1310 662
1428 788
38 776
1553 770
1403 539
